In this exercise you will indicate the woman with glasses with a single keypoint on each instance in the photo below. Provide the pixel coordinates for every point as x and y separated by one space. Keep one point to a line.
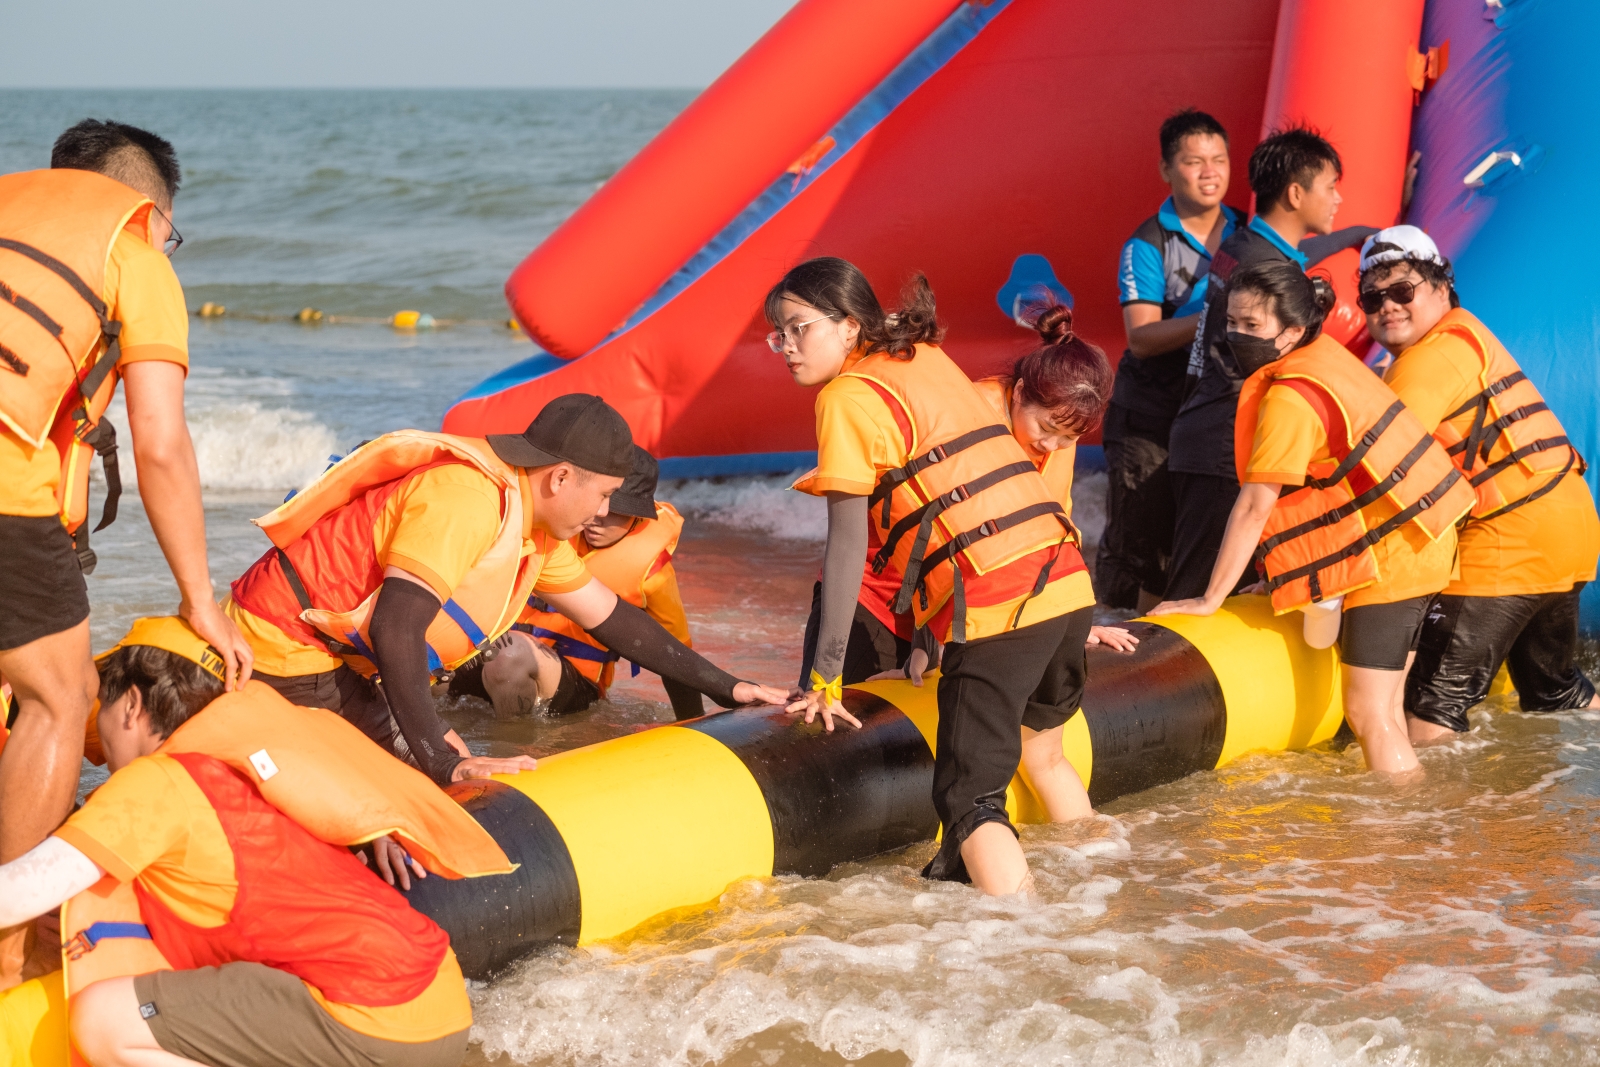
1343 496
927 484
1532 538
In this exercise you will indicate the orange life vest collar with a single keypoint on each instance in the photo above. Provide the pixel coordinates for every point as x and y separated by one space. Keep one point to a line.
1317 543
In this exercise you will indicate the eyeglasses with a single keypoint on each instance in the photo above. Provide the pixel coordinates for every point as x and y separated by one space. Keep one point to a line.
1400 292
777 340
175 239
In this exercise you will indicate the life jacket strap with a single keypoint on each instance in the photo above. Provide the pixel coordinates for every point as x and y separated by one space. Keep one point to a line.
292 575
86 939
1355 504
892 480
1366 540
945 553
1573 460
1516 456
568 646
1359 452
922 518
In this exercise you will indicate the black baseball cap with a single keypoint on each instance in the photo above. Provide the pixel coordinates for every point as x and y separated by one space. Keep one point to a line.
577 428
637 497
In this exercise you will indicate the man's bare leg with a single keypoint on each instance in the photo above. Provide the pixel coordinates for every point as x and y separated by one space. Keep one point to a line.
54 682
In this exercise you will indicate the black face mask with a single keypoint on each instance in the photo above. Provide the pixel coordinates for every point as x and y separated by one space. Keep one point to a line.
1252 353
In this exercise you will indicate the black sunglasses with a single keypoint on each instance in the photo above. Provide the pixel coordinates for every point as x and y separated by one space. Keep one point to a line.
1400 292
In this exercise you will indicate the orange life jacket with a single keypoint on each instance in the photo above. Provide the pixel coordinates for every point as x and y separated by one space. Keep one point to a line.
58 348
622 568
321 581
1317 543
1506 440
970 492
291 786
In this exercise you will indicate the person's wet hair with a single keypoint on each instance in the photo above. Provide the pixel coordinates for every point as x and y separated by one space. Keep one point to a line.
137 158
1187 123
839 290
173 688
1293 297
1294 156
1065 375
1439 275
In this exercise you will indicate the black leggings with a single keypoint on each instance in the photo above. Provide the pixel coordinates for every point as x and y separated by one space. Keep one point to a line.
1465 639
988 690
873 648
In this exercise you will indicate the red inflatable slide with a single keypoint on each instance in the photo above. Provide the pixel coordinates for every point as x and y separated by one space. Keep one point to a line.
985 144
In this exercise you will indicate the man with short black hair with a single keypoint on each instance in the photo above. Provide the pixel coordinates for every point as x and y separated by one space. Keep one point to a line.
1294 174
1162 278
89 298
416 552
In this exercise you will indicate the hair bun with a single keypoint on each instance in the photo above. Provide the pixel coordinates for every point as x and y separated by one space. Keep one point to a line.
1322 293
1055 325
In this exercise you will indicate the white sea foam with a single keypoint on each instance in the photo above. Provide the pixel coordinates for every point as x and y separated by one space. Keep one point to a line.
764 505
241 445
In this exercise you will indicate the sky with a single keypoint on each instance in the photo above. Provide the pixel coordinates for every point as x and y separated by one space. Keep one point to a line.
376 43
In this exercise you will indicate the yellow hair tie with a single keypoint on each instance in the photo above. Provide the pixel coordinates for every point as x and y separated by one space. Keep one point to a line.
833 690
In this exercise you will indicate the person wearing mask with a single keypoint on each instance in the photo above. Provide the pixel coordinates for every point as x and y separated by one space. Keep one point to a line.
1345 498
1161 278
1052 396
1295 176
546 663
417 551
1531 540
89 298
216 913
922 478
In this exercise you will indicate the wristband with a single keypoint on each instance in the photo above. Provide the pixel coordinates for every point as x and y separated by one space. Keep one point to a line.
833 690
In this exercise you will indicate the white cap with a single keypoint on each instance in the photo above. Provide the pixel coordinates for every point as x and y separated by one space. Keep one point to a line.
1412 244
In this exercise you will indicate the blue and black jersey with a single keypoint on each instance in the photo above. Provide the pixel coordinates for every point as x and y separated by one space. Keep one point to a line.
1166 265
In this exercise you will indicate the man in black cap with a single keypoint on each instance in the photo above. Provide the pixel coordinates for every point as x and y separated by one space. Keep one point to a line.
416 552
549 664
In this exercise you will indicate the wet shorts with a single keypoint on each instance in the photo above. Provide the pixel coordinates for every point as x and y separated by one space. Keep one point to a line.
41 584
574 693
872 647
988 690
251 1015
1465 639
1381 637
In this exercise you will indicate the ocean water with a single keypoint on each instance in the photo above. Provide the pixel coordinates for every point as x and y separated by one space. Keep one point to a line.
1286 910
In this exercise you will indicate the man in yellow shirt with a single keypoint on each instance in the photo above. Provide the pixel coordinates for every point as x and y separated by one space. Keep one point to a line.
416 552
1533 536
89 297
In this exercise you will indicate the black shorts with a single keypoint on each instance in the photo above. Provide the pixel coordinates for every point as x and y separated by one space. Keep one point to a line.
988 690
357 700
42 591
574 693
872 649
1465 639
1137 543
1202 504
1381 637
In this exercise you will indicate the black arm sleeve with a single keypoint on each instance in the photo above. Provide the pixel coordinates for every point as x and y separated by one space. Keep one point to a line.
635 636
686 702
399 641
842 561
1316 249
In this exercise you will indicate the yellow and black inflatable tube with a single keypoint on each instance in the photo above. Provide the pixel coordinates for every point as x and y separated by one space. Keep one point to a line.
611 835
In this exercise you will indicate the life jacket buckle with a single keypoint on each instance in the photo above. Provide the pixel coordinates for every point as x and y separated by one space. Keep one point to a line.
936 454
78 945
989 528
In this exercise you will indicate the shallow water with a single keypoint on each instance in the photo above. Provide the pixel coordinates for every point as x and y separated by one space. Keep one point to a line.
1289 909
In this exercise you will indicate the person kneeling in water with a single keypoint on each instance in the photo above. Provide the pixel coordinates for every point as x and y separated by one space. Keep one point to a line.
288 951
550 664
1344 495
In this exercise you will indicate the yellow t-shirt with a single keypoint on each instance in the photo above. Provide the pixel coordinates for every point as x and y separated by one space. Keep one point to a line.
150 821
1541 547
436 525
1289 438
142 292
858 440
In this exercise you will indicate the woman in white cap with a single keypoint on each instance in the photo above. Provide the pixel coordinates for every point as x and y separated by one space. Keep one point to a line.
1532 537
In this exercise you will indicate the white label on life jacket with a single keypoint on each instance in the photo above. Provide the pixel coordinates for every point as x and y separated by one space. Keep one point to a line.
263 764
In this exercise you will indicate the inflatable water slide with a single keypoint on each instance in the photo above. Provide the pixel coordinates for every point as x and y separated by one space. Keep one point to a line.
1008 144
